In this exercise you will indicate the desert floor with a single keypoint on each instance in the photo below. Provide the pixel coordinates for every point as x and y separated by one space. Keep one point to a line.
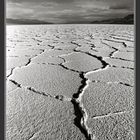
70 82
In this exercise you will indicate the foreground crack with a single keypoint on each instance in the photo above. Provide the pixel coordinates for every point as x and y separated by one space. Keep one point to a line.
79 121
80 112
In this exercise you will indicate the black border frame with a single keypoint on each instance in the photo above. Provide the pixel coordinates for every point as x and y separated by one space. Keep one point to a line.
137 66
3 62
2 69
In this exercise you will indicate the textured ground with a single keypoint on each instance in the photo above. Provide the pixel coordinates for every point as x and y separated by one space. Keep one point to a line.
70 82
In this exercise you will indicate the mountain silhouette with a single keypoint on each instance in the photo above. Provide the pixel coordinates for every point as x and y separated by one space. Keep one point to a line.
25 21
129 19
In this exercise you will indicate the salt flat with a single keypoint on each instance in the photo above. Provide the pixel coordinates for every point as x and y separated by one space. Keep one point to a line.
72 82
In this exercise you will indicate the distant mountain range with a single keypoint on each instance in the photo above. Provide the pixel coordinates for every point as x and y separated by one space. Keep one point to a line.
125 20
25 21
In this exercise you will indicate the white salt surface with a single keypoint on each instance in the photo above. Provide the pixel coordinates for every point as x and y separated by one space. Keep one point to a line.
81 62
50 79
73 82
33 116
111 74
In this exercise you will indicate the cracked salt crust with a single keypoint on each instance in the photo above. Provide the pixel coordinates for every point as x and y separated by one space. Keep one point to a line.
123 38
65 76
10 86
26 53
65 46
112 74
12 62
43 59
55 53
82 62
50 79
119 63
114 43
125 55
110 108
102 98
119 126
32 116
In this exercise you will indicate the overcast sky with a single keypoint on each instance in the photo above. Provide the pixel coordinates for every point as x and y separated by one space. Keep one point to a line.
62 11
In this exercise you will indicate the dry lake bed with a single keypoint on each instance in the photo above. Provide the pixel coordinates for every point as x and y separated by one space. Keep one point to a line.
70 82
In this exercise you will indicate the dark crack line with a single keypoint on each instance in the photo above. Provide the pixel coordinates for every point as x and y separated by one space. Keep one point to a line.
59 49
123 39
14 82
127 68
112 53
61 65
37 40
38 92
80 120
122 67
62 59
58 97
104 63
129 35
122 59
111 82
100 58
51 46
123 43
75 44
30 59
126 84
10 73
66 68
31 136
83 84
28 88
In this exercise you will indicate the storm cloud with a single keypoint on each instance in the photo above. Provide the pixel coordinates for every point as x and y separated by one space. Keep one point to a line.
58 11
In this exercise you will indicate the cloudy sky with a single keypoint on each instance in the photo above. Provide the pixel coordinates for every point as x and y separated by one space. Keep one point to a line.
63 11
